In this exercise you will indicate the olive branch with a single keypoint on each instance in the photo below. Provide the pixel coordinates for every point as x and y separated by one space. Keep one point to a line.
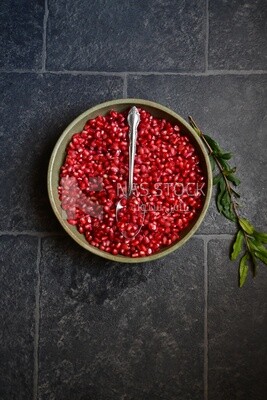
249 243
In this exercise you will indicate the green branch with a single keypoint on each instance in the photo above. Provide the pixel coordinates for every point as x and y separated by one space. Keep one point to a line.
249 244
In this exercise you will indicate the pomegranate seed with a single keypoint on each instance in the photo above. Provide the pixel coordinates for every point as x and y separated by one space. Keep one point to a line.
168 177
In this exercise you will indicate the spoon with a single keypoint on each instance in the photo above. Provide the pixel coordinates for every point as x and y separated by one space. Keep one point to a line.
133 121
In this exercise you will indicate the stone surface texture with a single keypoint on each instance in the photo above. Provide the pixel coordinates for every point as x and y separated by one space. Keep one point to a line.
21 34
132 35
18 277
238 34
117 331
74 326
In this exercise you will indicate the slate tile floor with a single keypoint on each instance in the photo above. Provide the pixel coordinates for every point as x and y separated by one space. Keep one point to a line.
74 326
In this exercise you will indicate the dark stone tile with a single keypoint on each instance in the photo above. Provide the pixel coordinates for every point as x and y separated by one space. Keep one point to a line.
30 126
237 322
237 34
232 109
21 34
116 331
17 303
163 35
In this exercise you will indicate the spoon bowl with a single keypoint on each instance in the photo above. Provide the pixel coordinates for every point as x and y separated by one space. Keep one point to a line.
130 216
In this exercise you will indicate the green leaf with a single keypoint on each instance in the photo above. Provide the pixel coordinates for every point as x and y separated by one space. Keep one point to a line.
229 214
233 179
230 171
257 249
243 269
257 246
226 156
223 202
261 257
227 207
220 194
226 200
237 245
212 162
213 144
217 178
226 166
246 226
254 264
261 236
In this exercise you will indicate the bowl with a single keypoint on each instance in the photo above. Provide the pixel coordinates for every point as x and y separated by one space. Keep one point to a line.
58 156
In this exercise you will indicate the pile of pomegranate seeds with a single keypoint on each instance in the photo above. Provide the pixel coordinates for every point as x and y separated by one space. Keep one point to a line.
168 179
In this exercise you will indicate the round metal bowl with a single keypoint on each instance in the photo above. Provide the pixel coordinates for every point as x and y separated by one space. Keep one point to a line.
58 157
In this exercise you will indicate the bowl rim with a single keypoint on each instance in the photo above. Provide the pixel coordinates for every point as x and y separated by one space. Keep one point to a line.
95 250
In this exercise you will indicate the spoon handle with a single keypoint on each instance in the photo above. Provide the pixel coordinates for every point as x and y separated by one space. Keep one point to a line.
133 121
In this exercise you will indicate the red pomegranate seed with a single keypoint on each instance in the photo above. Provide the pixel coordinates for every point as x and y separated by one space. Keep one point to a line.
168 176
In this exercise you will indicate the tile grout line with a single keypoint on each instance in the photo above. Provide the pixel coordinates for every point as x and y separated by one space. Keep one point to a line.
86 73
207 38
209 72
44 55
210 236
37 324
31 233
125 83
206 344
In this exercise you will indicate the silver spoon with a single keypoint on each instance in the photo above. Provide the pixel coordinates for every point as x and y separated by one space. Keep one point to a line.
133 121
